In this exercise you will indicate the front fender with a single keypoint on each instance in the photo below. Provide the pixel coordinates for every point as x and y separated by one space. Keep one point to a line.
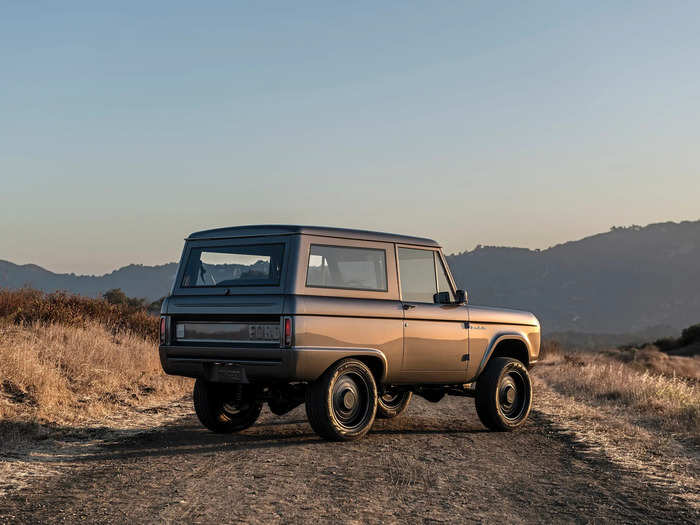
497 338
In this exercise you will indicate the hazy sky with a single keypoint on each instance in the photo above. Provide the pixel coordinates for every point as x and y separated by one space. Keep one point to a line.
124 127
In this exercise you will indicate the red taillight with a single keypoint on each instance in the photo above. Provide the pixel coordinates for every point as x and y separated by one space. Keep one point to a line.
162 330
287 331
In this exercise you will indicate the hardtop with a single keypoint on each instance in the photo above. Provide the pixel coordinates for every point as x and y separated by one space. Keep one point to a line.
275 230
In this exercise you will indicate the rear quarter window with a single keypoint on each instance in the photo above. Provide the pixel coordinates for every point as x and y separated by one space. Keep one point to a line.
348 268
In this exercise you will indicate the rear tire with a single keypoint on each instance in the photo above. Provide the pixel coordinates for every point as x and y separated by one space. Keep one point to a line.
221 410
503 394
392 404
342 403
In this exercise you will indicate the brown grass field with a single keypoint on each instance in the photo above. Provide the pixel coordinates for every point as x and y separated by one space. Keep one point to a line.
69 362
648 386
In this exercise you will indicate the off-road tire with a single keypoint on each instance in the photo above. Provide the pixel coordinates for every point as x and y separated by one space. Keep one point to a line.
493 388
391 408
342 403
213 405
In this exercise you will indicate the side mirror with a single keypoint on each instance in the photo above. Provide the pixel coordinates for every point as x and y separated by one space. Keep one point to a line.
461 296
441 298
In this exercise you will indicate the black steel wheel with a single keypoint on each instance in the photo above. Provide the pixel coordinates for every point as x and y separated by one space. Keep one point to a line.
225 408
342 403
393 403
503 394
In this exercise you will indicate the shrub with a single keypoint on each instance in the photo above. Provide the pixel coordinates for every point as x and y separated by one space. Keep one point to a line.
115 296
690 335
27 306
665 344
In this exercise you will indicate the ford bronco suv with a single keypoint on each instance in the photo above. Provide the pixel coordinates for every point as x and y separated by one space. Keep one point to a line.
352 323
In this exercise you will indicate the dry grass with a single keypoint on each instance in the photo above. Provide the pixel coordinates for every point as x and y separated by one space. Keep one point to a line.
69 362
649 358
648 386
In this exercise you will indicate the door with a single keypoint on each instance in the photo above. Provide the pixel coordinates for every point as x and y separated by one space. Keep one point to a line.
436 340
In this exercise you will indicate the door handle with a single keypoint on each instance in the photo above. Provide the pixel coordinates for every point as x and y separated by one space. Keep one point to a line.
408 306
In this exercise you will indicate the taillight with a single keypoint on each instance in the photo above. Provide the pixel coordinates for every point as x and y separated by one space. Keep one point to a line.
162 330
287 332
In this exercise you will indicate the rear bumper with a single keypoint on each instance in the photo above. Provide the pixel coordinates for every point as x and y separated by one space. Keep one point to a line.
258 364
205 361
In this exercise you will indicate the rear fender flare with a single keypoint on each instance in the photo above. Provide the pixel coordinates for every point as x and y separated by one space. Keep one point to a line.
312 361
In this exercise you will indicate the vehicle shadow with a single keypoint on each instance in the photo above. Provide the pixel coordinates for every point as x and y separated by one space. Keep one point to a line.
187 437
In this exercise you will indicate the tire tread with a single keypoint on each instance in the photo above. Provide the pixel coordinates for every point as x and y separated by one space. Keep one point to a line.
317 403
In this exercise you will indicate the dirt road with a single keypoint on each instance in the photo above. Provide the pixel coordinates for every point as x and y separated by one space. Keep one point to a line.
434 464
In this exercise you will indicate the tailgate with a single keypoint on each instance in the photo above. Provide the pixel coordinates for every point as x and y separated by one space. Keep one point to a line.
225 326
225 305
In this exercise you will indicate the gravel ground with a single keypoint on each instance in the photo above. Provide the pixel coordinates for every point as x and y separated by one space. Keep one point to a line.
436 463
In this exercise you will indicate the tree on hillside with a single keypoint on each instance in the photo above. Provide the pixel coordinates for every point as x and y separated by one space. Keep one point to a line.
118 297
690 335
154 307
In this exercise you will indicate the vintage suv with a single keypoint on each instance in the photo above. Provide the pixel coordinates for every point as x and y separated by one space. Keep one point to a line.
353 323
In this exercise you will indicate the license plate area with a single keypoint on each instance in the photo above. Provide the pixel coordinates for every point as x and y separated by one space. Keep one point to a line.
228 373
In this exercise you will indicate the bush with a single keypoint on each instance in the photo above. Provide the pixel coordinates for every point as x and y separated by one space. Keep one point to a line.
690 335
665 344
27 306
116 297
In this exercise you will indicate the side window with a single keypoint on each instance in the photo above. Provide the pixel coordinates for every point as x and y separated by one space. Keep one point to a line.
417 268
347 267
443 281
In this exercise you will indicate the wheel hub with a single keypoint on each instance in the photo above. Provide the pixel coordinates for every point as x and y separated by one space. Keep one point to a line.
508 394
390 398
349 399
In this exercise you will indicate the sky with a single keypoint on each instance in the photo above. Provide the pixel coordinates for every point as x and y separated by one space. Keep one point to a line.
125 126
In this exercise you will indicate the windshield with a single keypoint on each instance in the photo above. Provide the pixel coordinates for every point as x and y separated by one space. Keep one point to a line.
234 266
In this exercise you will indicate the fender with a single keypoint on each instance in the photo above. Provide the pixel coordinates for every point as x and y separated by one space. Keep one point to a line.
498 338
309 362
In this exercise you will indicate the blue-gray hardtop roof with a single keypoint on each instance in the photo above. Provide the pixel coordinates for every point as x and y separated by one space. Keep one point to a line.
268 230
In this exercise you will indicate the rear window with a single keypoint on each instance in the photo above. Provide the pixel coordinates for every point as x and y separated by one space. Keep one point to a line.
347 268
251 265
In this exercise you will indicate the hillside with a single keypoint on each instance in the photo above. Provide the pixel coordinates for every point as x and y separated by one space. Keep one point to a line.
624 280
135 280
636 279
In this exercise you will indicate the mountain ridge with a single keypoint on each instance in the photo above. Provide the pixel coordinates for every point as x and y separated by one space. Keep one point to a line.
136 280
627 279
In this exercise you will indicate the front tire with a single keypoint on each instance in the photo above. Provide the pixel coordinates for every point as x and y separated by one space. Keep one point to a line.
342 403
392 404
223 409
503 394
